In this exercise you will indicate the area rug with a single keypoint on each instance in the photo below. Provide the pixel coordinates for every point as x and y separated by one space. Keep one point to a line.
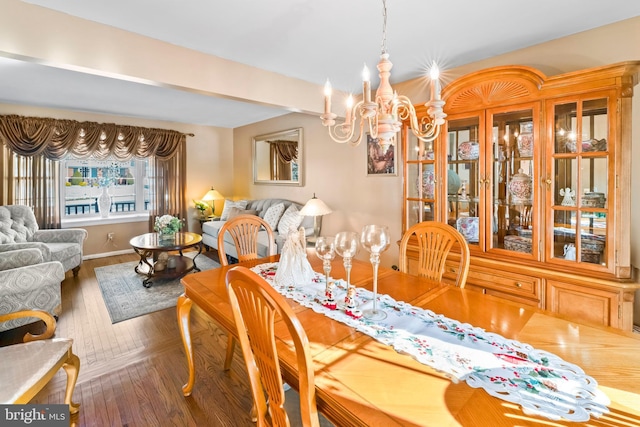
126 298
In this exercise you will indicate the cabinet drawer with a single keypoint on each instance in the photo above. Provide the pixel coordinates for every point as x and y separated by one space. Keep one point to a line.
506 282
584 304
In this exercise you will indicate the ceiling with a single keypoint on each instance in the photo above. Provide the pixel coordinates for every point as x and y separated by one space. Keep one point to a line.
303 39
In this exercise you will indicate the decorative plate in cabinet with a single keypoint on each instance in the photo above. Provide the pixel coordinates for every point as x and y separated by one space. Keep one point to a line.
469 150
469 228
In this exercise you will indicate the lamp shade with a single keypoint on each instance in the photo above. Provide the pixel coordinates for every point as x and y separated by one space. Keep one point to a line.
212 195
315 207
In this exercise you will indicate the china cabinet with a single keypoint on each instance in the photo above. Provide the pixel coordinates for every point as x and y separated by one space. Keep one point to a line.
534 171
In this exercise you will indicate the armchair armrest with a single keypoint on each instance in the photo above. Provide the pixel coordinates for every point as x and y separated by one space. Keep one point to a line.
20 258
44 249
13 280
61 235
48 319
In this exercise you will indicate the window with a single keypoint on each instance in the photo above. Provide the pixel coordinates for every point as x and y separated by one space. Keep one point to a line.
82 181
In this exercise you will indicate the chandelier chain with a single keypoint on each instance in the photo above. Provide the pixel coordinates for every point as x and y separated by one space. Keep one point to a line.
383 45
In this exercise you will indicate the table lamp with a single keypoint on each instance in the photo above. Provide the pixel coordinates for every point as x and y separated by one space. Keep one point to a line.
210 199
315 208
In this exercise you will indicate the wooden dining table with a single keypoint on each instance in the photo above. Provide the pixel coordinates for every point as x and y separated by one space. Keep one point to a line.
362 382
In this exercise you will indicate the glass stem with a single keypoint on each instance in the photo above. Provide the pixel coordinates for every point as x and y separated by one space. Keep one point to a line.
347 267
375 261
327 269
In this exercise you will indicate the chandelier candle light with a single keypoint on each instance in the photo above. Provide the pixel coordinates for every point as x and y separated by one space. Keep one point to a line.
384 116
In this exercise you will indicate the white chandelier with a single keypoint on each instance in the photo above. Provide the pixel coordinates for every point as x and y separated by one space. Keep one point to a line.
384 117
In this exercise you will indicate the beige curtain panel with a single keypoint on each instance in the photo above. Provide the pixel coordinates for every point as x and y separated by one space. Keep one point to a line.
55 138
282 154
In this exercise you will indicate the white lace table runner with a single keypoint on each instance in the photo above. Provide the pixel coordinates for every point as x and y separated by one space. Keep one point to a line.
540 382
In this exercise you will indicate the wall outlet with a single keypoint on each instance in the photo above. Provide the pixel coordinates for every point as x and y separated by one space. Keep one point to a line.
110 236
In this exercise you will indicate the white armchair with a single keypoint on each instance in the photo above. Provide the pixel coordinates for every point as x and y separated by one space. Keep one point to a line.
19 230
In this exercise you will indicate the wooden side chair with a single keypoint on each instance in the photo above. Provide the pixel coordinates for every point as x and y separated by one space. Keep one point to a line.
434 241
244 231
256 306
28 366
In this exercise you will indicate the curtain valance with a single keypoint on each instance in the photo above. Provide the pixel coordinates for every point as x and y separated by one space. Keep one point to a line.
285 151
55 138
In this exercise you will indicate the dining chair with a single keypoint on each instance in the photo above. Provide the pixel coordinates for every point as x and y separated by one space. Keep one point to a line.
29 365
244 230
434 241
256 306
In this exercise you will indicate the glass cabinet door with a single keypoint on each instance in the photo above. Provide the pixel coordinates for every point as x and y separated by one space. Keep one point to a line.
513 155
580 181
463 177
421 180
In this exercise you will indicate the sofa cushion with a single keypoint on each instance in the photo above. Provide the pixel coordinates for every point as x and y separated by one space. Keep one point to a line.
273 214
290 219
212 228
228 204
234 212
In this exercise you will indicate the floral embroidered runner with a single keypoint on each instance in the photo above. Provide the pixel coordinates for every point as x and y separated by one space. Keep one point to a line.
540 382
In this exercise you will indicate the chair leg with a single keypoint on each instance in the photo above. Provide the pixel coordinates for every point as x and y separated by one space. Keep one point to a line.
71 367
75 271
231 344
254 413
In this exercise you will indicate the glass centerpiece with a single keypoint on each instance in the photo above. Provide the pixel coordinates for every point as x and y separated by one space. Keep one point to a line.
375 239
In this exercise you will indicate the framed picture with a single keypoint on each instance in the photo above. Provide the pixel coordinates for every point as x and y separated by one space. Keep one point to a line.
381 158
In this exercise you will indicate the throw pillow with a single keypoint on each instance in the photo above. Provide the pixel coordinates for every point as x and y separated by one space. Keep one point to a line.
228 204
234 212
291 218
273 214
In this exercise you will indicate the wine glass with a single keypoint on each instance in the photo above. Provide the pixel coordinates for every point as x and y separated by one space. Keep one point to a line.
325 250
346 245
375 239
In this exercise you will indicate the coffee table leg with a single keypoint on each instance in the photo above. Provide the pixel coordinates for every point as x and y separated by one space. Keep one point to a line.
184 317
195 267
144 254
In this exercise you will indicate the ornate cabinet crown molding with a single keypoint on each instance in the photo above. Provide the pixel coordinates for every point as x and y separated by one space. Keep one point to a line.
495 85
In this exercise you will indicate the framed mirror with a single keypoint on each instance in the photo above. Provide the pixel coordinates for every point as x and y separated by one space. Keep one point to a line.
277 158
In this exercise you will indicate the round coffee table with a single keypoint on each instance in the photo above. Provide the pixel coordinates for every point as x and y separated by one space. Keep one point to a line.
149 245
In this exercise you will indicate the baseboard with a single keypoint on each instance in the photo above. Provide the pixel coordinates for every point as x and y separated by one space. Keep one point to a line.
106 254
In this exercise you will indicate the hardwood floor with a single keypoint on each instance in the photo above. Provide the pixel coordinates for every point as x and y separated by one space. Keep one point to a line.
131 373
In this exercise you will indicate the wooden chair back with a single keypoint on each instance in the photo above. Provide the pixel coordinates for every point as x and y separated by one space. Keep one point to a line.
434 241
256 306
244 231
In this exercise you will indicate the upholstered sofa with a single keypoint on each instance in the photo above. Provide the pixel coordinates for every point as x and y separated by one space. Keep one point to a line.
28 283
19 230
267 209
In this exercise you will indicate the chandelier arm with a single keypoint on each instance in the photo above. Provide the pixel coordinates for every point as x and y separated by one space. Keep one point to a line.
426 132
345 132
